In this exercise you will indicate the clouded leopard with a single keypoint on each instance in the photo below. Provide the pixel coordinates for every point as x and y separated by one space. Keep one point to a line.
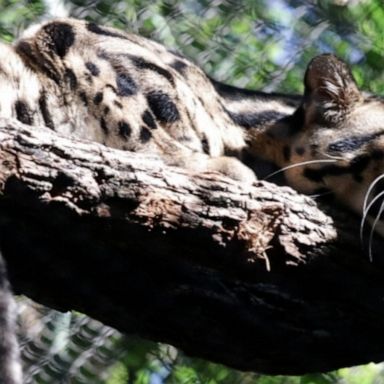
131 93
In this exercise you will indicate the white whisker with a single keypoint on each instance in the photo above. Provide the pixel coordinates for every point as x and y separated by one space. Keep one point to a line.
365 213
332 156
299 165
373 230
373 184
321 194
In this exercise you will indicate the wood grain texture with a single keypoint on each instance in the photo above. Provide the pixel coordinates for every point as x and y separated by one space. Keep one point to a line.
256 277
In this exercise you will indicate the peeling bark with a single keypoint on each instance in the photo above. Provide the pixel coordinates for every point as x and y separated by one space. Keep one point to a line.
255 277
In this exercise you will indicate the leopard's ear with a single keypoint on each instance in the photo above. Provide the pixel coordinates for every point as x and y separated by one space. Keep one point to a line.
330 90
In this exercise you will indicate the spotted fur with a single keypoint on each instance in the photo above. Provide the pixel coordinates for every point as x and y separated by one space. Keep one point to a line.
127 92
131 93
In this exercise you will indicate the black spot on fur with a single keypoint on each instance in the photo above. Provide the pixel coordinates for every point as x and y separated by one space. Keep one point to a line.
250 119
358 178
163 107
300 151
355 168
45 111
179 66
124 130
106 110
360 163
286 152
329 170
314 148
315 175
377 154
118 104
70 78
233 152
98 98
83 97
376 207
61 37
295 121
88 78
205 145
149 120
145 135
140 63
103 125
94 28
352 143
126 86
93 68
23 112
233 93
26 51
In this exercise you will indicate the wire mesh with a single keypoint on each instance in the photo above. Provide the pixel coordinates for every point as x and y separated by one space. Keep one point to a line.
260 44
64 347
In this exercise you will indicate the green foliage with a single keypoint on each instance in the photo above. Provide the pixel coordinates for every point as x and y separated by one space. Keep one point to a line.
16 15
65 347
258 44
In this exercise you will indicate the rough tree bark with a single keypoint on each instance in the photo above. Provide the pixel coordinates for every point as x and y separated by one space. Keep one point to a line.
255 277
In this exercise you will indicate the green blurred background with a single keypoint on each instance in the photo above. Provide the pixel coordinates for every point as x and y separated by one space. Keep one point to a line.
256 44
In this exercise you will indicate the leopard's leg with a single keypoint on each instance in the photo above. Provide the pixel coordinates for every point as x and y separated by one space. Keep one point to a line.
228 166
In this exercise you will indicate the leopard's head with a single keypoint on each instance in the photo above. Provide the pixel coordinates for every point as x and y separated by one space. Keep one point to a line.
337 137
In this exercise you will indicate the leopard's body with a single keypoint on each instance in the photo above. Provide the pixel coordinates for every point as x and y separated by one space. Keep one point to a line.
131 93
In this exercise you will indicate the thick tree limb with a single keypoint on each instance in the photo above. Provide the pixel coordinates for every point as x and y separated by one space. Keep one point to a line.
256 277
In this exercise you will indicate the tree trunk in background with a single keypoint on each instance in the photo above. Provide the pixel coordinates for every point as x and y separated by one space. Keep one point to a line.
255 277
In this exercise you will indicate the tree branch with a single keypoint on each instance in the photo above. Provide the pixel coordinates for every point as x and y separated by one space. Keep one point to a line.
256 277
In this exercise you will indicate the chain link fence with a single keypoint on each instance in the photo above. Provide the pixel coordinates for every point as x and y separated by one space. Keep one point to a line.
260 44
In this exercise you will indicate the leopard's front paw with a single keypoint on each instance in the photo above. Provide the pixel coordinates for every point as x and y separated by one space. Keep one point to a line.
232 168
